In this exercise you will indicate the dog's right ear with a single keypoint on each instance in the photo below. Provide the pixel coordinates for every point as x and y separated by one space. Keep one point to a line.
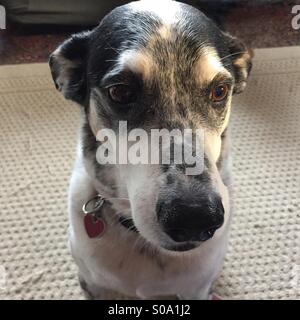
68 67
241 58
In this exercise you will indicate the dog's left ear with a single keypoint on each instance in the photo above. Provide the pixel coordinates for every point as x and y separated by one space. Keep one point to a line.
241 58
68 67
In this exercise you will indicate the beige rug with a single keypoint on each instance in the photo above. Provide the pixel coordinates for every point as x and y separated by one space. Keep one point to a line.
37 146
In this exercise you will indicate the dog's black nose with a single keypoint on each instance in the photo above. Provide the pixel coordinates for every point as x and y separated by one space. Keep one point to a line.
191 222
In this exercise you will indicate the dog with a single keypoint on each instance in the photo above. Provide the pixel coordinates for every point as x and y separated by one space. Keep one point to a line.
158 232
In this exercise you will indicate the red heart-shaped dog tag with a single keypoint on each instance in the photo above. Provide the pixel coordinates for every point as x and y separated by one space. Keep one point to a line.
94 226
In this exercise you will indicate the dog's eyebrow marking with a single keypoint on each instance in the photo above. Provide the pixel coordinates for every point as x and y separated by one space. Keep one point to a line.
209 65
138 61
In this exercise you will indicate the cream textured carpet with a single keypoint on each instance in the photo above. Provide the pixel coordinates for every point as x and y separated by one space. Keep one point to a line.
37 147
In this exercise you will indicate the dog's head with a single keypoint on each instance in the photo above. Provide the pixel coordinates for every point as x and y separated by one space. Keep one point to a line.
170 68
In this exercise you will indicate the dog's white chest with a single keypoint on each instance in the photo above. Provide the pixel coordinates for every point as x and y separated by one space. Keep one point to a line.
125 270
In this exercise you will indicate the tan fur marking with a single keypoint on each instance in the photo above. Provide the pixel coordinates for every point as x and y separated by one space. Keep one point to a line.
138 61
243 60
212 139
227 117
209 65
212 145
165 32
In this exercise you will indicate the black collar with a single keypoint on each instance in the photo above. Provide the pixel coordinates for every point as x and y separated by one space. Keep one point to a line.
128 223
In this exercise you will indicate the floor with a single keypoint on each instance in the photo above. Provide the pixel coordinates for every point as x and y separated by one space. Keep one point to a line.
260 27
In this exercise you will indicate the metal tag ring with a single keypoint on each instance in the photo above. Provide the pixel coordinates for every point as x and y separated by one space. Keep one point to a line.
99 201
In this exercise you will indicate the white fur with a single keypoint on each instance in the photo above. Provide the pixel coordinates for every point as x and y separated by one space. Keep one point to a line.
114 261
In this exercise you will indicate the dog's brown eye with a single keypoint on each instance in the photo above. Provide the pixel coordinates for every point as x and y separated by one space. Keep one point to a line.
220 93
122 94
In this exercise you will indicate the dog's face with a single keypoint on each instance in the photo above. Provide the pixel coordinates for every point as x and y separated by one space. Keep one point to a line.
168 68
